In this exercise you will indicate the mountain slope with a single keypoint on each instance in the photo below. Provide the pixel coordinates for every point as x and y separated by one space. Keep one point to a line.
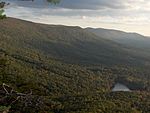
68 70
133 40
69 44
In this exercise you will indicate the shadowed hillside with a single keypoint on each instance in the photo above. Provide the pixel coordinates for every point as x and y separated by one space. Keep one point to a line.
62 69
69 44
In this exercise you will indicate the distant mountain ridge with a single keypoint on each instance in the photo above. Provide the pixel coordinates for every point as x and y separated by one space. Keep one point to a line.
128 39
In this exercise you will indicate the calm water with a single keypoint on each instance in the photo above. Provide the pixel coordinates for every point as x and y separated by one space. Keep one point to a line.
120 87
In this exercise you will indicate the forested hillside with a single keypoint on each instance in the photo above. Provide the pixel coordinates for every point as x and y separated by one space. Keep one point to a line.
132 40
69 44
62 69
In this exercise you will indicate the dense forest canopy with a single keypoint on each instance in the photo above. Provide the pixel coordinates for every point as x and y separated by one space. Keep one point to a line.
64 69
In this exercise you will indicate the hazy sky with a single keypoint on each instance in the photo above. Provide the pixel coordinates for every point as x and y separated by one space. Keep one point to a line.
127 15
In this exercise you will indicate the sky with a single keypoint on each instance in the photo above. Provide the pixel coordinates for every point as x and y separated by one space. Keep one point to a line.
126 15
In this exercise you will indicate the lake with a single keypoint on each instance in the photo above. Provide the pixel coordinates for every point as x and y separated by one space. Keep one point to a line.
120 87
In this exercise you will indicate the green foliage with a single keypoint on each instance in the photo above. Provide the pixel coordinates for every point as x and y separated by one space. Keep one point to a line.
119 102
4 108
68 70
2 15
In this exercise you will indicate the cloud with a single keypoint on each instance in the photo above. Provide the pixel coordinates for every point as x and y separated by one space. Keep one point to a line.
86 4
92 4
75 4
84 12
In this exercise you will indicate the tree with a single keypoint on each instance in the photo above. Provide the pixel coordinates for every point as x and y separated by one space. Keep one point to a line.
2 15
2 4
